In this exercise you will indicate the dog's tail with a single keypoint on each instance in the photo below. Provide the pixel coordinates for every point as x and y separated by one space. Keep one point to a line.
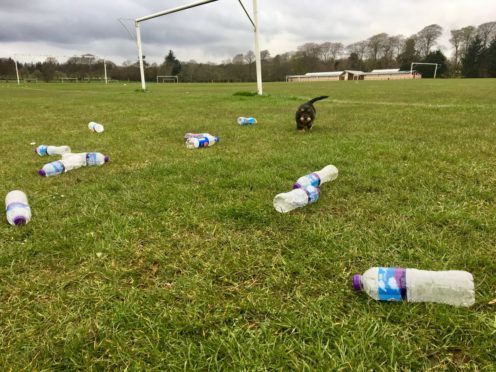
318 99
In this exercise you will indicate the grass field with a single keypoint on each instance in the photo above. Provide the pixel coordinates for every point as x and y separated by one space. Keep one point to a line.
174 259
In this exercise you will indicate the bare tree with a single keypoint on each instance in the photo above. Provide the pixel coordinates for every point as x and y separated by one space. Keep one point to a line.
310 50
238 59
250 57
469 33
359 48
427 37
265 55
487 32
376 44
457 41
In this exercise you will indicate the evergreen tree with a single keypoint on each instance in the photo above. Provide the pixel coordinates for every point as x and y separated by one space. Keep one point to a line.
171 64
434 57
472 61
491 59
408 55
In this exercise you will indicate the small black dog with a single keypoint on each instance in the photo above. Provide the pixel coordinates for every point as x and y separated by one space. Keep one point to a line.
306 114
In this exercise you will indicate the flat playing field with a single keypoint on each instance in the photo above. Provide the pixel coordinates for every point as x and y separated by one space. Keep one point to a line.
168 258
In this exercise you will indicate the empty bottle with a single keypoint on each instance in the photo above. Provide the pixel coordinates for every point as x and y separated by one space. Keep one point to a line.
187 136
246 121
95 127
43 150
205 140
326 174
85 159
52 169
17 208
296 198
396 284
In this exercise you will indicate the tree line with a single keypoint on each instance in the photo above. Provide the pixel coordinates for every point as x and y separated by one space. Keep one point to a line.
474 55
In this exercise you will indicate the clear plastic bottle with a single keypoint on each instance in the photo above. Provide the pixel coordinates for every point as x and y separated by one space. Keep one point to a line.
187 136
452 287
95 127
296 198
85 159
205 140
326 174
17 208
43 150
246 121
52 169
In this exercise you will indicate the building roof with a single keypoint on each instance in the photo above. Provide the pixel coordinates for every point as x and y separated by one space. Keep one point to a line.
330 73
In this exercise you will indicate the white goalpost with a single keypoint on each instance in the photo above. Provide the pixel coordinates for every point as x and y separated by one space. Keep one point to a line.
167 78
425 63
253 21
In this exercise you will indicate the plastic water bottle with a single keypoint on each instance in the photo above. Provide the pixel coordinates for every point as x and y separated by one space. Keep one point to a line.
187 136
296 198
396 284
85 159
95 127
326 174
205 140
246 121
52 169
43 150
17 208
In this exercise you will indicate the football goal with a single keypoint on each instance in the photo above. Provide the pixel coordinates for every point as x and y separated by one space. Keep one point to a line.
425 63
167 79
254 22
59 68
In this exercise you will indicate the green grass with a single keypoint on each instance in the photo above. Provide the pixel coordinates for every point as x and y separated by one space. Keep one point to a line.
174 259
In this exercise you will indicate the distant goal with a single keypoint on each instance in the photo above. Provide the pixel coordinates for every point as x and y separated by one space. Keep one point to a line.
167 79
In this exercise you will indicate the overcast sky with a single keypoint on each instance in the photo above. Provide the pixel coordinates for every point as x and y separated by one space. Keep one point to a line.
219 30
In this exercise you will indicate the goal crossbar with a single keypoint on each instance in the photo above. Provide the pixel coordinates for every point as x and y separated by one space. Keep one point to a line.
253 21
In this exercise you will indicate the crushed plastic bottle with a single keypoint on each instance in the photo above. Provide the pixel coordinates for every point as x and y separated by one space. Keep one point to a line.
95 127
17 208
187 136
205 140
452 287
326 174
43 150
246 121
86 159
296 198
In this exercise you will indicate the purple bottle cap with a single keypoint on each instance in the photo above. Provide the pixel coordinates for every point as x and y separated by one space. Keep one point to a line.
36 149
357 282
19 220
297 186
42 173
106 159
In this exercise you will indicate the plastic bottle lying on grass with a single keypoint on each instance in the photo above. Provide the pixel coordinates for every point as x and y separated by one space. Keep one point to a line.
326 174
187 136
86 159
246 121
72 161
296 198
17 208
396 284
95 127
206 140
43 150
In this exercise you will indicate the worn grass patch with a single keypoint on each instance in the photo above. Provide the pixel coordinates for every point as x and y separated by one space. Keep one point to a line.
167 258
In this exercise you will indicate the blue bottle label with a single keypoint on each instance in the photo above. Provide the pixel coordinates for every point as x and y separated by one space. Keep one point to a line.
57 166
12 206
42 150
313 193
391 284
203 142
314 179
91 158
